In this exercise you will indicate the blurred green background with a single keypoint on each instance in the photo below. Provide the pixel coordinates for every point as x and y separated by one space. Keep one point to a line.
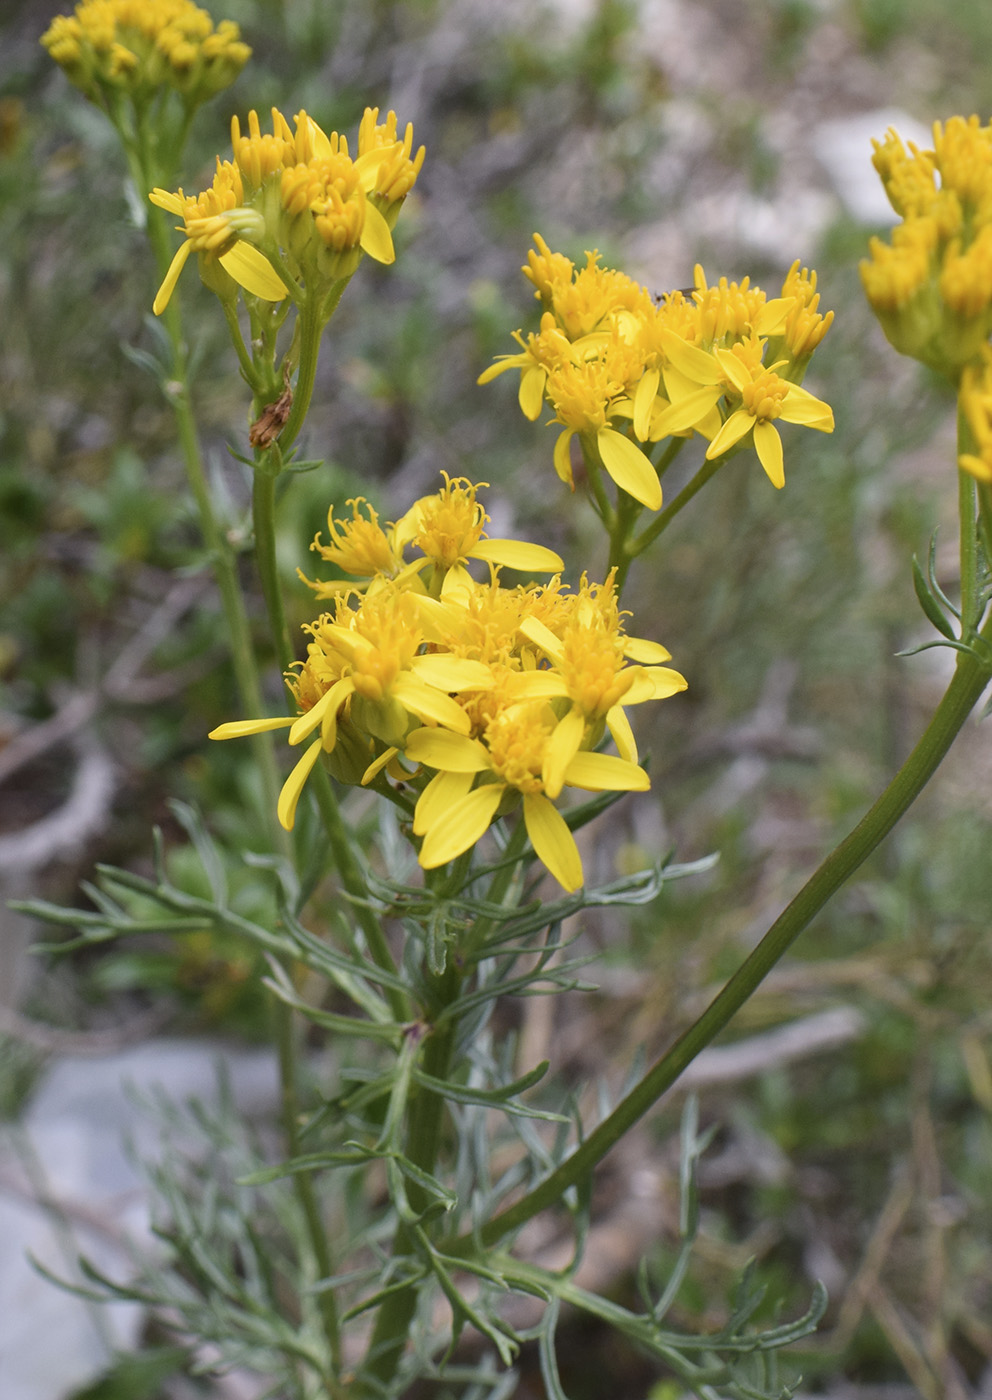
663 133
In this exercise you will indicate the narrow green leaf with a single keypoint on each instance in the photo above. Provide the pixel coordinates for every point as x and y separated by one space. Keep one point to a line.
928 602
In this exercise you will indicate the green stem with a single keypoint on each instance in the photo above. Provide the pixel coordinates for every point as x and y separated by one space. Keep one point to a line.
665 517
248 370
968 517
594 476
354 883
222 558
392 1325
313 319
263 506
304 1186
970 679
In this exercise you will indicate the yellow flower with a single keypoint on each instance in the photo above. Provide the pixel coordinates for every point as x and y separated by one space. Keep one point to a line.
212 222
298 195
931 288
453 813
620 368
360 547
589 652
366 664
763 395
449 528
138 46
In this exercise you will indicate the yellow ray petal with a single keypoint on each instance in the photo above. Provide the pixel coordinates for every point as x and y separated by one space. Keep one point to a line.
428 704
644 397
253 271
652 683
239 728
542 636
737 426
531 393
293 786
692 361
768 446
562 457
376 240
553 843
164 292
629 467
442 792
518 554
454 673
645 651
440 748
461 825
374 769
686 412
561 749
165 199
603 772
623 736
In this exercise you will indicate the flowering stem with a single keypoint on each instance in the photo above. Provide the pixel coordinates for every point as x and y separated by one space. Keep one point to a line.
355 885
303 1182
970 679
594 475
221 555
263 503
392 1325
314 316
664 518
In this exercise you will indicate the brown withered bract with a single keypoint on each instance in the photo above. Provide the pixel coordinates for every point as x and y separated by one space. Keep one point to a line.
270 423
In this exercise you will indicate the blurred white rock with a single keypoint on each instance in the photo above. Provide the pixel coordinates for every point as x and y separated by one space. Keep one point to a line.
843 147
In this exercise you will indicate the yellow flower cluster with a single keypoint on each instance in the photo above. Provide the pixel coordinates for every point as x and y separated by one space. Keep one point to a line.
476 696
136 47
931 287
622 369
295 198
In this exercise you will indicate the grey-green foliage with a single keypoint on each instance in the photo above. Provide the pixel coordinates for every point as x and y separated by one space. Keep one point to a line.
236 1271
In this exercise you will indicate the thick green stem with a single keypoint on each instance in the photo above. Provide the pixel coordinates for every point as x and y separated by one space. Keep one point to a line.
263 507
970 679
353 881
313 319
392 1325
304 1186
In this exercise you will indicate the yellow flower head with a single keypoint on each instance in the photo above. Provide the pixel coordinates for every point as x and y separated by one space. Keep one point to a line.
449 529
496 696
619 367
931 288
139 46
359 547
301 202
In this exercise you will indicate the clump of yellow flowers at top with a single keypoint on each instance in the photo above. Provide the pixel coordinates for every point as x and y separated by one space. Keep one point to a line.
931 287
621 370
294 212
112 48
476 697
